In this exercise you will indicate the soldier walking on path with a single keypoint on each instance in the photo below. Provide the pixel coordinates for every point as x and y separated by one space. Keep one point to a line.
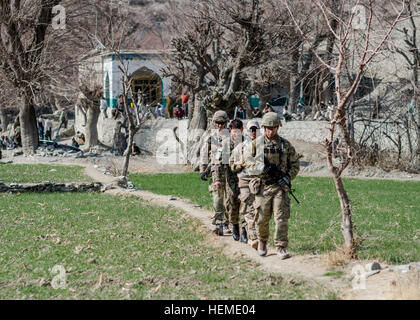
236 127
275 163
246 208
214 162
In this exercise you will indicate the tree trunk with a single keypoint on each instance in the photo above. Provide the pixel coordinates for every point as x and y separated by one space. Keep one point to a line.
293 80
247 106
82 111
4 119
127 152
28 125
346 223
264 93
196 130
92 127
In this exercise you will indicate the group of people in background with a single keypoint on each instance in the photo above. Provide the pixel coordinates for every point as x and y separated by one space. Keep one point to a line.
177 108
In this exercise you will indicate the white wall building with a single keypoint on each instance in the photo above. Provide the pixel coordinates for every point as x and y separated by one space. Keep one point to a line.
145 70
144 67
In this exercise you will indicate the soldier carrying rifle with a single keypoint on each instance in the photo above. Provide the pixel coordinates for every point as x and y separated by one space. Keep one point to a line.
274 163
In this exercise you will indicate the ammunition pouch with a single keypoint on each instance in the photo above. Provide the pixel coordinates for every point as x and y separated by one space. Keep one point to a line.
255 185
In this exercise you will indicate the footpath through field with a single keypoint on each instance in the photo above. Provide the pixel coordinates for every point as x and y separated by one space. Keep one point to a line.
383 285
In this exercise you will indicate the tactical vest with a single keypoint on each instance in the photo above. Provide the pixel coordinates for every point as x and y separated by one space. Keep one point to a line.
273 150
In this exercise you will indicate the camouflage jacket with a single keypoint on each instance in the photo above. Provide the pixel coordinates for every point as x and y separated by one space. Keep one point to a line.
215 155
277 150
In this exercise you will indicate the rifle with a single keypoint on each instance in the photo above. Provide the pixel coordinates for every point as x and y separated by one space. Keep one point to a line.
274 171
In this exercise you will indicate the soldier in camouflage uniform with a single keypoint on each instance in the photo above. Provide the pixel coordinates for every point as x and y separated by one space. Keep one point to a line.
274 162
236 138
223 183
246 209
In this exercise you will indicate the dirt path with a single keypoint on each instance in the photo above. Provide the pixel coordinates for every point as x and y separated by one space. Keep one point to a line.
384 285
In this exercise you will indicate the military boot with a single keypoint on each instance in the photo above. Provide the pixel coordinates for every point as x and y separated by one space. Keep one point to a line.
226 228
262 247
218 229
282 254
235 232
244 236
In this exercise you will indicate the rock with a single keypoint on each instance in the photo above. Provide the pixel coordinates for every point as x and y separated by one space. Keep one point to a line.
17 153
171 198
122 182
402 268
107 187
373 266
53 170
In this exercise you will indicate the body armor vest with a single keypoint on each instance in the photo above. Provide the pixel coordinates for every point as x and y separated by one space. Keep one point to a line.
273 151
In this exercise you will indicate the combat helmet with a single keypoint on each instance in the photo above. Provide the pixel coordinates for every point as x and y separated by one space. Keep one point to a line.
271 119
220 116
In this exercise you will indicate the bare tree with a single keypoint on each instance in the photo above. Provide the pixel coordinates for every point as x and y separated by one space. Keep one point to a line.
362 46
217 45
411 55
24 42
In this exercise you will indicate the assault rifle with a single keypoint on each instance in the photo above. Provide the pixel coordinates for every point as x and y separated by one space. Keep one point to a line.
274 172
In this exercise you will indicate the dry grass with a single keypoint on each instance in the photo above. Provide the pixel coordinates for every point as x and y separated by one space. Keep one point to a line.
340 257
112 166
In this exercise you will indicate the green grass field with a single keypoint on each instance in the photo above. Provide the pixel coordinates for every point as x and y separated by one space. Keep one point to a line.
122 248
28 173
386 214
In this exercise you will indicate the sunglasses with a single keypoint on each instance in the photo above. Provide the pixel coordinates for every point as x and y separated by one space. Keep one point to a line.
253 129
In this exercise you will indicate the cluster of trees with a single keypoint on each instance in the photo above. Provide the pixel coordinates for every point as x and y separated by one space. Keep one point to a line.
223 53
227 51
42 43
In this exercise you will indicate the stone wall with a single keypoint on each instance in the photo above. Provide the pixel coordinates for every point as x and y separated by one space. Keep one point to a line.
50 187
158 132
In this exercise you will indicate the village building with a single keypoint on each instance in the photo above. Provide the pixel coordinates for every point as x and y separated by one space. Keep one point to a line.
103 69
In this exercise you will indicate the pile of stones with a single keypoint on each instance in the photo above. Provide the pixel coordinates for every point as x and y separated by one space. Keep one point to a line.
51 187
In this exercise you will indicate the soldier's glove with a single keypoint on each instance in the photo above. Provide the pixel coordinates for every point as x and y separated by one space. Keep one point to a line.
203 176
285 181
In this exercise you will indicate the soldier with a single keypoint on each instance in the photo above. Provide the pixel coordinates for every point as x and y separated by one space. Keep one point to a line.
246 208
236 127
281 165
223 183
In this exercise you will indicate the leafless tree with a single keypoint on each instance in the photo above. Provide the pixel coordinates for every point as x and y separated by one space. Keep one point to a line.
217 46
410 52
348 43
25 29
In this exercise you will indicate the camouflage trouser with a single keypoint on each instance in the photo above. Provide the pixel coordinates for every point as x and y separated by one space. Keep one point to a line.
271 200
248 213
225 201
